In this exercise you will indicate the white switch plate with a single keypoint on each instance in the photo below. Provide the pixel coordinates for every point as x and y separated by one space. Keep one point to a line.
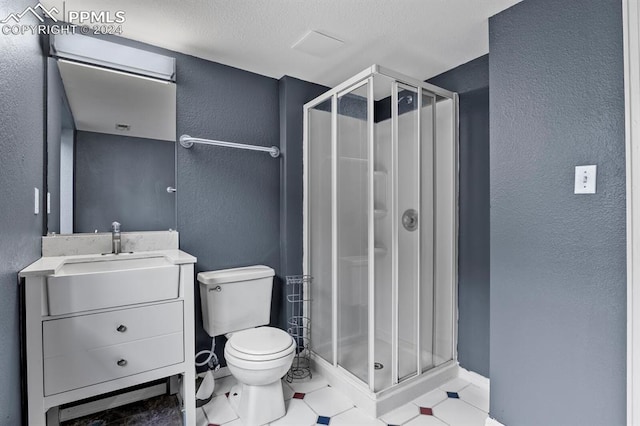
36 201
585 180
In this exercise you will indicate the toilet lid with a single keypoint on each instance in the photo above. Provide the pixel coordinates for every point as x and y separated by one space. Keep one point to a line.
261 341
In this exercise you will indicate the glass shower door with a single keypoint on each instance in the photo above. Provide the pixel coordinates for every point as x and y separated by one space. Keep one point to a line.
412 115
352 231
427 288
319 160
408 226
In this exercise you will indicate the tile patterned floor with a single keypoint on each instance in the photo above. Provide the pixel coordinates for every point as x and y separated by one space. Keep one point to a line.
309 403
314 402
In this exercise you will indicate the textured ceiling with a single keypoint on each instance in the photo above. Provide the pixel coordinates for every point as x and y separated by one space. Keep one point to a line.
420 38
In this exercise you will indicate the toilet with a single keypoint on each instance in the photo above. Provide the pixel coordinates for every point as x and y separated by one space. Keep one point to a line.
237 303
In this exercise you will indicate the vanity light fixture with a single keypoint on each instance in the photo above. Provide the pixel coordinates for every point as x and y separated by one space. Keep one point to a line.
93 51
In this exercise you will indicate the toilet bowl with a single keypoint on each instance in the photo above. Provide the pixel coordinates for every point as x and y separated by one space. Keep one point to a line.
258 358
237 303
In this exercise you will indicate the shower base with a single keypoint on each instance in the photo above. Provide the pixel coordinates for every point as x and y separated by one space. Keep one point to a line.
379 403
355 351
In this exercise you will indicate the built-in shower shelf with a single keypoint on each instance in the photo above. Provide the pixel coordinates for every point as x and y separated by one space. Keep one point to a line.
362 260
379 213
353 159
380 251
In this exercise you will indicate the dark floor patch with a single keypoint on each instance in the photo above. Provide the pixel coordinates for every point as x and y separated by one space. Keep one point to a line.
162 410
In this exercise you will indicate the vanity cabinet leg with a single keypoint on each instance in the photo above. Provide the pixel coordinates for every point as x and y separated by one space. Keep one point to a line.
53 416
37 417
189 400
173 385
33 290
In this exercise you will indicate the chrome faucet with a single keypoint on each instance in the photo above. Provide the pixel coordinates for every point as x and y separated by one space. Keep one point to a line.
116 246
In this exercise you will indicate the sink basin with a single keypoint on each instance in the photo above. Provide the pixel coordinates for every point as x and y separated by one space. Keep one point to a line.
111 282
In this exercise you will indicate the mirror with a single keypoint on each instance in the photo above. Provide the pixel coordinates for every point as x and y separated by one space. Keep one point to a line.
110 149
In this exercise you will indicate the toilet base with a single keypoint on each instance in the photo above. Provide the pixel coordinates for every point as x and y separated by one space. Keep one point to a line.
257 405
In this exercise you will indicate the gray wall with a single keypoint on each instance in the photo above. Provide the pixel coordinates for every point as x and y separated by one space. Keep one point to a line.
465 78
558 285
123 179
293 94
471 81
228 199
21 145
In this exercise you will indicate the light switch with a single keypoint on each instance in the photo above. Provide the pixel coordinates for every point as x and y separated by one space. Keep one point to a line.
585 180
36 201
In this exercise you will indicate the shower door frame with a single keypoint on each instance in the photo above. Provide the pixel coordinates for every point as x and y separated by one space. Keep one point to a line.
360 79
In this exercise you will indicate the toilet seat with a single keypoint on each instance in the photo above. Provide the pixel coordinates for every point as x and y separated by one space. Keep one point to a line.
260 344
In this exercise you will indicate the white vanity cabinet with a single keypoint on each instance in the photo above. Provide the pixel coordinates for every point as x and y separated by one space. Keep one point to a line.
81 344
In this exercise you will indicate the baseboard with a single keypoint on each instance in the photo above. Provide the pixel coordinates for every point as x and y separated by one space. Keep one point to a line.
474 378
492 422
482 382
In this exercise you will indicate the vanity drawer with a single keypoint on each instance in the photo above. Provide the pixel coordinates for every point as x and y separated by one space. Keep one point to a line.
84 368
87 332
81 287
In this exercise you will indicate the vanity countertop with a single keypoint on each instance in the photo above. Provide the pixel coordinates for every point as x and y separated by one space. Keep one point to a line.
51 264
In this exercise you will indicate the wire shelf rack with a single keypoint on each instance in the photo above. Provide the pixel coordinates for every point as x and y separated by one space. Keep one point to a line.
299 325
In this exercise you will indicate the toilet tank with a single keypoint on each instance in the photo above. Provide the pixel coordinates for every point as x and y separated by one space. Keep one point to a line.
235 299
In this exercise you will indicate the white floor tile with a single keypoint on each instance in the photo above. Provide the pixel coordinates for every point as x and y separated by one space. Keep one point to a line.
476 396
327 402
426 421
354 417
309 385
201 419
236 422
454 385
401 415
224 385
287 392
431 399
298 414
458 413
219 411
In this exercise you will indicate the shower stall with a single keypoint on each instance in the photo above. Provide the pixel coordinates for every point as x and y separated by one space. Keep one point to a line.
380 232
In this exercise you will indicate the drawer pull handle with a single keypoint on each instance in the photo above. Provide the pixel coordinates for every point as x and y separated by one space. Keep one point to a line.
122 328
122 362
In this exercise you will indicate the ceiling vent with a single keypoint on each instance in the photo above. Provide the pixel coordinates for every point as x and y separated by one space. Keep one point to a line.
317 44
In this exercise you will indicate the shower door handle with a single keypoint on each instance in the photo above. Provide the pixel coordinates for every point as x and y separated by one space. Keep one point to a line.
410 220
